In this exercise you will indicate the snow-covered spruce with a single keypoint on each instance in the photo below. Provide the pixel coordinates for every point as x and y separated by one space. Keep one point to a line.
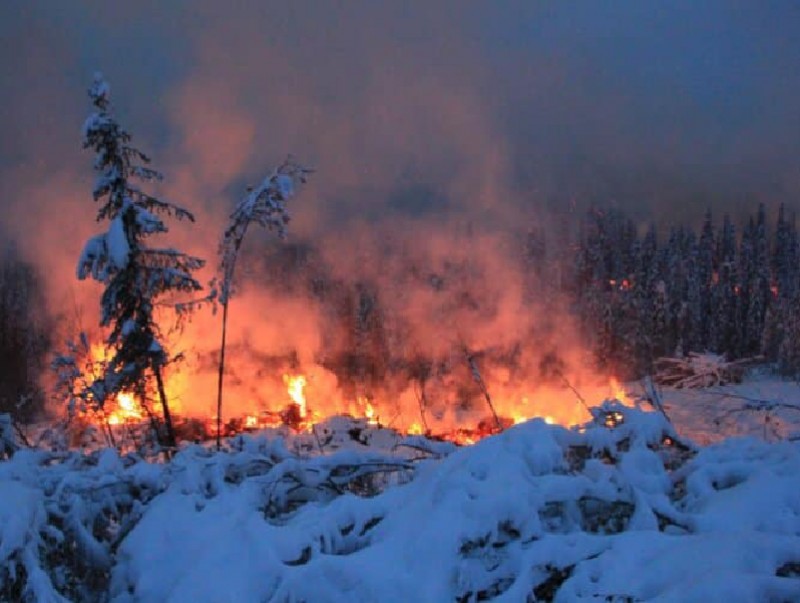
135 275
619 510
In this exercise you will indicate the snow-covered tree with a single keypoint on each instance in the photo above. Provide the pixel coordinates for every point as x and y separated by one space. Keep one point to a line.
265 206
135 275
780 322
723 332
707 267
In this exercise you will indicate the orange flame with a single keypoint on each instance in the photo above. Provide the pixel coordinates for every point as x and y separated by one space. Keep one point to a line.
295 386
128 410
369 411
514 402
617 390
415 429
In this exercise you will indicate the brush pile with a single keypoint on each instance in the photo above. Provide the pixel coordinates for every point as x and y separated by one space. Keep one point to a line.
696 370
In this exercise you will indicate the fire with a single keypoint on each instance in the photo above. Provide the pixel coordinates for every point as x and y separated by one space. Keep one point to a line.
289 401
415 429
295 386
125 407
369 411
617 390
127 410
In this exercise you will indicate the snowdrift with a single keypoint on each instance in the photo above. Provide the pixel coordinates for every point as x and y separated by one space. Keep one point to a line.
618 510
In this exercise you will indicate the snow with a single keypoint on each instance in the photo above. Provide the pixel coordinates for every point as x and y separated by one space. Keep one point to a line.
618 510
148 222
760 406
91 261
100 87
117 243
105 254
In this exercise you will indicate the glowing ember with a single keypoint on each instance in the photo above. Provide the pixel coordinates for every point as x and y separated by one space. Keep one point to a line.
250 422
295 384
613 419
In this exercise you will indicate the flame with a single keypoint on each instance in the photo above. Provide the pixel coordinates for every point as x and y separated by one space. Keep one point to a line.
127 410
415 429
369 411
462 421
617 390
295 386
126 407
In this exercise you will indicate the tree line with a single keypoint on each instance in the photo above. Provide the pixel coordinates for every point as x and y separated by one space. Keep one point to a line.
733 292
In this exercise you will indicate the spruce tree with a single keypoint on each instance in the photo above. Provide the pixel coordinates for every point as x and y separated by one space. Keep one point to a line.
707 271
645 292
725 293
135 275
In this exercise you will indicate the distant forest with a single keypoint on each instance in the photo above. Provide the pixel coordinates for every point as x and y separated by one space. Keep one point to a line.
640 297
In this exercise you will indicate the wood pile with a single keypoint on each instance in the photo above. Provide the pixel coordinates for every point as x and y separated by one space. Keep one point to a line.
701 370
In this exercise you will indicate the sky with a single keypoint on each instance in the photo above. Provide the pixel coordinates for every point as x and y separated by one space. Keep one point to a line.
413 106
441 129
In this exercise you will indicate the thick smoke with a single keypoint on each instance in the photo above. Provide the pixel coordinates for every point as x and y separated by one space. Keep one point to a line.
442 133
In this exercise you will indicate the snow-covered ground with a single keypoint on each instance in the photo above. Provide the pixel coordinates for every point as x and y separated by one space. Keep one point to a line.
622 510
762 406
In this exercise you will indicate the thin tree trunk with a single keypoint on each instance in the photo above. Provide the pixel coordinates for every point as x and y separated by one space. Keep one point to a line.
221 372
162 394
422 399
478 378
227 283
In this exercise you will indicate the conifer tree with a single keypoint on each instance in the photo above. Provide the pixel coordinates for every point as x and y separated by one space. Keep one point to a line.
781 324
645 292
707 269
135 275
724 296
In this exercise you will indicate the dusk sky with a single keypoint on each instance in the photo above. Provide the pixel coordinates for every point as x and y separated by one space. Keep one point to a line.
413 107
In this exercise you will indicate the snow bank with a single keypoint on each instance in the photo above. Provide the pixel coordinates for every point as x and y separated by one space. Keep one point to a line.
619 510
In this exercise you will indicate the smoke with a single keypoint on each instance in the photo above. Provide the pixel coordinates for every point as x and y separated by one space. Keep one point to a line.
441 134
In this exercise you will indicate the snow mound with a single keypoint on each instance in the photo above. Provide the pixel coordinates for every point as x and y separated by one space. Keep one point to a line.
618 510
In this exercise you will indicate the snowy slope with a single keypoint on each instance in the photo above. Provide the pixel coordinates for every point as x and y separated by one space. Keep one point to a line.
622 512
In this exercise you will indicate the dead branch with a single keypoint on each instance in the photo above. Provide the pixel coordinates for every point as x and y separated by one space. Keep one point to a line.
478 378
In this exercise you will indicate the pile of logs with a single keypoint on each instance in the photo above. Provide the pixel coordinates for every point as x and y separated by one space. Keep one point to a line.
701 370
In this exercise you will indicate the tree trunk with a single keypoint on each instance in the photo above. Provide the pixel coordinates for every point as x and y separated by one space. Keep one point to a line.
162 394
221 372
